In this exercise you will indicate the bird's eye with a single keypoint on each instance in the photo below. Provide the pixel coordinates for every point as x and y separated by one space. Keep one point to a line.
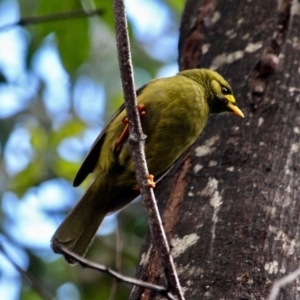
225 90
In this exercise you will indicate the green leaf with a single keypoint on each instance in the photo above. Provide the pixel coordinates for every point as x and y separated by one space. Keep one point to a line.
71 34
69 129
28 8
27 178
29 293
65 169
108 15
39 139
176 5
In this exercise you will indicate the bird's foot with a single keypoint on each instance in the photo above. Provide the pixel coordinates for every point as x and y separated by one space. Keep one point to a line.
124 133
151 183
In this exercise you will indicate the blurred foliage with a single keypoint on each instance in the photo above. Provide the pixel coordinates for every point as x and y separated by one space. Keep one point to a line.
44 139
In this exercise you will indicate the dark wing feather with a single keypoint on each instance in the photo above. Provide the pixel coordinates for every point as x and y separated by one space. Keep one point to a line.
92 157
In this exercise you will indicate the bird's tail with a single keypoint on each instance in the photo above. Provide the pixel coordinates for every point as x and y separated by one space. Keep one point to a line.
78 230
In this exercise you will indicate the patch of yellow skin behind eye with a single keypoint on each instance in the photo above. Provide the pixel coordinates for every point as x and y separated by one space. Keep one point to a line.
217 88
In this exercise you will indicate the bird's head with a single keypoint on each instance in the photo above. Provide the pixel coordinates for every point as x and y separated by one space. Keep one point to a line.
220 94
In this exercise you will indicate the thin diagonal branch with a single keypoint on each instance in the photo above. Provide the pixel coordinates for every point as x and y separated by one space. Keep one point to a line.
101 268
27 276
282 282
136 141
53 18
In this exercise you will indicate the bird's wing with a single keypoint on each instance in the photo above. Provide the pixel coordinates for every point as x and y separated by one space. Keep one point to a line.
92 157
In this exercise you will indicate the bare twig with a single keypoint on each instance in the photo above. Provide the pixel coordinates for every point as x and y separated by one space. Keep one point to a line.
113 289
53 17
27 276
118 264
282 282
136 141
101 268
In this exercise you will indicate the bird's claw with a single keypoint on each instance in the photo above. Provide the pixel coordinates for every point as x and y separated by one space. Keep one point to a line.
151 183
124 133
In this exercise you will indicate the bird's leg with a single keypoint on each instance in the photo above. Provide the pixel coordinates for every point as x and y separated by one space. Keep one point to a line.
151 183
124 133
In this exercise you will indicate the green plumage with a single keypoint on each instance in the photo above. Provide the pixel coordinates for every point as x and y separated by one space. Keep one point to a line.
176 111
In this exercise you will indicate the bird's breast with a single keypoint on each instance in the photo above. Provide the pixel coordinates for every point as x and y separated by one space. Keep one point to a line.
172 123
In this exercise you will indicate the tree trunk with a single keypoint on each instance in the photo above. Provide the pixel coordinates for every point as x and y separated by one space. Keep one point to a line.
231 207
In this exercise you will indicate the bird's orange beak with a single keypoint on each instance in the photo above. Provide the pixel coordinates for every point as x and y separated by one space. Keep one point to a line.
235 110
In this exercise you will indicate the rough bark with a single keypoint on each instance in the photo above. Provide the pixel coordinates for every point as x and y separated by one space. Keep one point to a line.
231 207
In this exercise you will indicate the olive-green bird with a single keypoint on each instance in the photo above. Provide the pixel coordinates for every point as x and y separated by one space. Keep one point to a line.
173 111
